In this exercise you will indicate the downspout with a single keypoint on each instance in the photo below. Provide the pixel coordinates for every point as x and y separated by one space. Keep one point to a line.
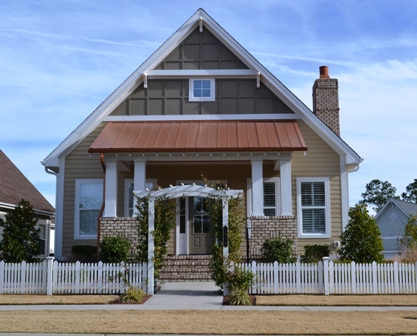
100 214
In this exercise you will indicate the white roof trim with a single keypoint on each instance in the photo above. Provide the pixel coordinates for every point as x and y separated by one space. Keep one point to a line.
134 80
204 117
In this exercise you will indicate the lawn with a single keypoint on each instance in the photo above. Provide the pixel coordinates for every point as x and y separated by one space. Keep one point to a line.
213 322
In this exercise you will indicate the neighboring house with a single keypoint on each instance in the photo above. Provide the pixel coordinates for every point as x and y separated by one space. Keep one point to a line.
203 105
391 221
14 187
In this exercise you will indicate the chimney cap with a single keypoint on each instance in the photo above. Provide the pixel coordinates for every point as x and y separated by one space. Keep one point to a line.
324 71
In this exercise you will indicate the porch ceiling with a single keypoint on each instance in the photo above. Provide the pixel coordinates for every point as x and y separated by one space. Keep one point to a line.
199 136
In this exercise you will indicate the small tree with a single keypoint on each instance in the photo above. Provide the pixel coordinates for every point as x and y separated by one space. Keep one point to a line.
410 195
361 242
20 240
377 194
409 238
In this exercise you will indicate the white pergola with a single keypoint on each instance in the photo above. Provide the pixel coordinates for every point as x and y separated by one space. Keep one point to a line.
177 192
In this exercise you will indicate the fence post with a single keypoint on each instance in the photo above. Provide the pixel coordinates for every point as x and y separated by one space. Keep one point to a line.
326 275
49 283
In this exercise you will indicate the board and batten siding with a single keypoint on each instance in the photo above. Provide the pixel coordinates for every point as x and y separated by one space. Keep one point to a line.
320 160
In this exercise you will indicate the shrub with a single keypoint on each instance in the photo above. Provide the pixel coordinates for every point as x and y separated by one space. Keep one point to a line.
114 249
278 249
83 253
20 240
361 241
315 253
239 297
133 295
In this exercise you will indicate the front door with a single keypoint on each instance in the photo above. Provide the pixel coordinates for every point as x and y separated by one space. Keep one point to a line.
199 226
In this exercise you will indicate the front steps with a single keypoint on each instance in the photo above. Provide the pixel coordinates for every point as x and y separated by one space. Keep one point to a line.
185 268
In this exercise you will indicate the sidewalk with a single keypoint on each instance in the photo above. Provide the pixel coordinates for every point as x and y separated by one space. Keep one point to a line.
196 296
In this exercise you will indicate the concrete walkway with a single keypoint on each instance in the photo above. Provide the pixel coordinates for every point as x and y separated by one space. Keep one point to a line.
195 296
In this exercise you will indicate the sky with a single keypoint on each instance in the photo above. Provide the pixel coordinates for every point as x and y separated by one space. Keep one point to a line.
59 60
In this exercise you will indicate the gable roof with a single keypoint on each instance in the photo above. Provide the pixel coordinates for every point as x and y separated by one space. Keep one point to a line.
14 186
202 19
407 207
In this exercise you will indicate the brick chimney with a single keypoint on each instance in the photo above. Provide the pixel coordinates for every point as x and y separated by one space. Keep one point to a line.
326 99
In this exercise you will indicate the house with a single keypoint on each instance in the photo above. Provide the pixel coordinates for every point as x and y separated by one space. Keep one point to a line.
202 105
14 187
391 220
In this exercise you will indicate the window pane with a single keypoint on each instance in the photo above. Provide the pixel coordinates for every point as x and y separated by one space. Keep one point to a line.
269 212
198 84
206 84
197 92
314 221
206 93
88 222
91 195
306 194
319 198
269 194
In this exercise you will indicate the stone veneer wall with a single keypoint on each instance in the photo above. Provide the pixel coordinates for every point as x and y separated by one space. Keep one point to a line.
271 227
125 227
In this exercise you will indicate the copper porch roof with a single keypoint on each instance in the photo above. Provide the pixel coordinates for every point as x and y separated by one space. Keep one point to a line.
199 136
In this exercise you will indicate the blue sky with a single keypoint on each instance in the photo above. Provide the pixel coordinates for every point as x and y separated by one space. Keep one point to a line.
60 59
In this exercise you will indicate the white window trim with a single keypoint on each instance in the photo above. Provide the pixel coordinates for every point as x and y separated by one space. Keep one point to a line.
77 235
326 181
277 195
199 99
126 194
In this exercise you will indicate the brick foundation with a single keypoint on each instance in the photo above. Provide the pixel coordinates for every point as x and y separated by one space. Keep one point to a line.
271 227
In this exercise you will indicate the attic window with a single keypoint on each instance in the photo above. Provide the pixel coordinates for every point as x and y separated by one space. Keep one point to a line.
201 89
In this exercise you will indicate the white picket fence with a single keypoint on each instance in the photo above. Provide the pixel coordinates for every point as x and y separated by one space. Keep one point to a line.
327 278
50 277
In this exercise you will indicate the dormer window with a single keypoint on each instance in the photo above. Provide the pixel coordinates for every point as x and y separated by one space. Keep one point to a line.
202 89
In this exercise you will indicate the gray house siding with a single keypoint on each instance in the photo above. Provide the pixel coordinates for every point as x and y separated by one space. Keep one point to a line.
391 221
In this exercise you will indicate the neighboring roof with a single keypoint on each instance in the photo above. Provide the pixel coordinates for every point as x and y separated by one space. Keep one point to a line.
138 77
407 207
14 186
199 136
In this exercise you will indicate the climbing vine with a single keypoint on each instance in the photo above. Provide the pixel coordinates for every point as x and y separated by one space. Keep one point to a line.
165 219
221 267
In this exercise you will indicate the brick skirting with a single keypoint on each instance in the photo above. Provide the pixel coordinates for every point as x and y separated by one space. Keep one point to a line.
272 227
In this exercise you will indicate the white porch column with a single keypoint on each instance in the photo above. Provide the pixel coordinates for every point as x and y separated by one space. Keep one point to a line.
110 209
257 188
139 179
286 190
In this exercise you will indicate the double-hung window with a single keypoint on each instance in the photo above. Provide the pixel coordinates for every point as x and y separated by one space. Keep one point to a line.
270 197
313 207
202 89
88 201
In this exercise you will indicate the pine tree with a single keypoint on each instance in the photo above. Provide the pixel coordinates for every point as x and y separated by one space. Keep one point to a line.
20 240
361 241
